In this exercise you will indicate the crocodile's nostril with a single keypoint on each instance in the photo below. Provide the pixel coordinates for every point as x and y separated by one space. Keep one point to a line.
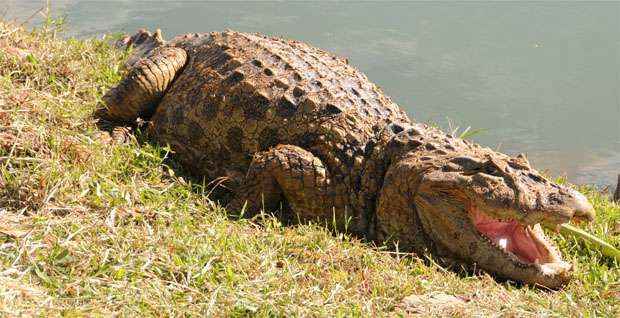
584 211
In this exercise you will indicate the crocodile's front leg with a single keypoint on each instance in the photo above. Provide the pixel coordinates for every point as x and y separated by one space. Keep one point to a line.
293 179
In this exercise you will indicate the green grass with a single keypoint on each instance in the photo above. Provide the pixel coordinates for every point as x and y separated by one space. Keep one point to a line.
93 224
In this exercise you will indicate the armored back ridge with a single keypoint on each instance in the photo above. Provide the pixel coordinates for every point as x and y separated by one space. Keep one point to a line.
296 129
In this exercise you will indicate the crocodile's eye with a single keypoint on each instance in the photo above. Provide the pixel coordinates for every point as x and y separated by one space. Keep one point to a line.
467 163
536 178
491 168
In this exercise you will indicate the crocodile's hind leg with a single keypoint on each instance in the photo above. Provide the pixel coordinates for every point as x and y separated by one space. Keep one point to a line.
138 94
290 178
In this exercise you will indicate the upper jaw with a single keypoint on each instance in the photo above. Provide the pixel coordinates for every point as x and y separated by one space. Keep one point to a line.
573 206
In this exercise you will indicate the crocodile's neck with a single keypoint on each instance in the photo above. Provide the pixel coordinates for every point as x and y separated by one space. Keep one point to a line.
393 143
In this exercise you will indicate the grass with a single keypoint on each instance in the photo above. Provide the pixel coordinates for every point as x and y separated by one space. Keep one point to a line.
98 224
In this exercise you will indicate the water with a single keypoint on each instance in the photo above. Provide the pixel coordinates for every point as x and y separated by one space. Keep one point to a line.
540 78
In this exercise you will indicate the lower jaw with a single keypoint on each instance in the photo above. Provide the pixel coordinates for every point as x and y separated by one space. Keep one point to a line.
555 268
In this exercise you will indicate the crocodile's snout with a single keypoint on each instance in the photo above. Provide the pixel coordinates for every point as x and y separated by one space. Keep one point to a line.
583 209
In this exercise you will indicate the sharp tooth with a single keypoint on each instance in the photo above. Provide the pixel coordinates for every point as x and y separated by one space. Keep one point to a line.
503 242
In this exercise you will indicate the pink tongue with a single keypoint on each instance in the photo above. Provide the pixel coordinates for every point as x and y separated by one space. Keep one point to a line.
519 241
524 245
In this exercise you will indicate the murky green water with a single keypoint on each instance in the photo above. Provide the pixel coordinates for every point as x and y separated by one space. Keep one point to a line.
540 78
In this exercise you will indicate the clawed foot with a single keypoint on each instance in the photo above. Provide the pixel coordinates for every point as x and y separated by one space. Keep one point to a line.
142 42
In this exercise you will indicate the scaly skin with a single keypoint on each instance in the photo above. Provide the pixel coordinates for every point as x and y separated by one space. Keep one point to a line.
294 128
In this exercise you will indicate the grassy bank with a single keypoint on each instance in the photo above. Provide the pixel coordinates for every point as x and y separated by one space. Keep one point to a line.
96 223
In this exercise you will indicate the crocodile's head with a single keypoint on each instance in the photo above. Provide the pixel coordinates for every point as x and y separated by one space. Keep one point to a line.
488 209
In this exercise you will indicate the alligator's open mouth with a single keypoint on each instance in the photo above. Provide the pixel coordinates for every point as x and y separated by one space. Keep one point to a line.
525 243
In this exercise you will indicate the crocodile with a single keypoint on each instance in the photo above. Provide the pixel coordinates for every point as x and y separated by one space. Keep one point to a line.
294 129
